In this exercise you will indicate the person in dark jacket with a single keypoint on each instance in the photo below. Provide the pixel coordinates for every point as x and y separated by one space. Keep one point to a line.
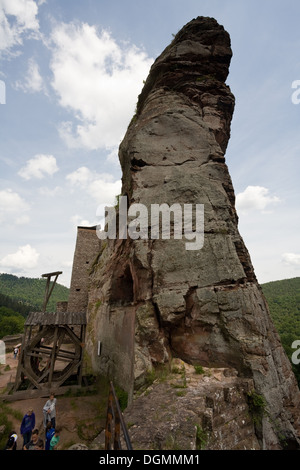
27 425
49 434
12 441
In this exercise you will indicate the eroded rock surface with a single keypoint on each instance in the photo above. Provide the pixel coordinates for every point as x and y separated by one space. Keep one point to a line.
151 300
184 410
194 411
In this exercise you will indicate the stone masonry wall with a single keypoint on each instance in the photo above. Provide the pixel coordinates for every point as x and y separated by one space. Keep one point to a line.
86 250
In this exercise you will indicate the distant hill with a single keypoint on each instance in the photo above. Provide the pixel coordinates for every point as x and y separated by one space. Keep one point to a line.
21 295
283 298
16 305
284 302
30 291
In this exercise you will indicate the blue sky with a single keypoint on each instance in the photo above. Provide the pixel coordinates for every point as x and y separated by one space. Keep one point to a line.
72 72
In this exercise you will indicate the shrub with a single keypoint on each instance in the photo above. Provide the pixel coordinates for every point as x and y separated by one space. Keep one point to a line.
201 437
199 369
257 407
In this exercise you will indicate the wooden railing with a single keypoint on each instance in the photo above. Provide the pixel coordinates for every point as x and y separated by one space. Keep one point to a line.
115 424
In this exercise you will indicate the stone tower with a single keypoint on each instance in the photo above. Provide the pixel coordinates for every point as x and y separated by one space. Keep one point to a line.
86 250
152 299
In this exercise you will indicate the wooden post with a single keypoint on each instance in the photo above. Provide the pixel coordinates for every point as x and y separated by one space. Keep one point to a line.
116 421
53 356
20 363
47 293
109 418
117 445
82 339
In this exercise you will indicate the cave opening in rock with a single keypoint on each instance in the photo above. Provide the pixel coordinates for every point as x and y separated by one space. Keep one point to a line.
122 287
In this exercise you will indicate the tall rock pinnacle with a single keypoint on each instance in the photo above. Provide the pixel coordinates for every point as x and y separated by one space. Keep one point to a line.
153 299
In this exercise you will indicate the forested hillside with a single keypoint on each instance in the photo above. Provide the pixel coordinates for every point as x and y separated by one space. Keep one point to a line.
21 295
31 291
16 305
284 302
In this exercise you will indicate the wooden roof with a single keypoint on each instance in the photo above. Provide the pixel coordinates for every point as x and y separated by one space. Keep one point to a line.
56 318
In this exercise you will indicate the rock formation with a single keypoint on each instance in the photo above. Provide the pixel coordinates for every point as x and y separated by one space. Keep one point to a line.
152 299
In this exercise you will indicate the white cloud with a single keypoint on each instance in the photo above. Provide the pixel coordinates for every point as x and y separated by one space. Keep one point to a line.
50 192
291 259
104 190
38 167
255 198
12 208
25 258
98 80
33 82
18 18
82 176
77 220
113 156
102 187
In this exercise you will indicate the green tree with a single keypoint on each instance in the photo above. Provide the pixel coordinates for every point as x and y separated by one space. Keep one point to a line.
11 325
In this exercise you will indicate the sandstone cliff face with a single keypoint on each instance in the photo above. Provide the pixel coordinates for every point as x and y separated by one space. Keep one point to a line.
151 300
185 410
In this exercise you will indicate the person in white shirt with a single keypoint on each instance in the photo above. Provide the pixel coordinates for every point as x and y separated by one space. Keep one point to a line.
49 411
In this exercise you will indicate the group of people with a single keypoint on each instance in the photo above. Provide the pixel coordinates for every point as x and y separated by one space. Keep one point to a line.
32 439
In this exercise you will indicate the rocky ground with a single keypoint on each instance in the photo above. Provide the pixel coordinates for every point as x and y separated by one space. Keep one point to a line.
191 408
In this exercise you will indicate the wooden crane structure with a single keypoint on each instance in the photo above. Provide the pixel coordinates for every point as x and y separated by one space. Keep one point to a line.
52 347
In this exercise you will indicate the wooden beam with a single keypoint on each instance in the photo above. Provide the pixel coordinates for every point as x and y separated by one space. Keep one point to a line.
47 293
74 366
21 360
42 392
73 336
59 357
43 375
56 273
82 340
35 340
46 350
53 355
30 377
61 335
